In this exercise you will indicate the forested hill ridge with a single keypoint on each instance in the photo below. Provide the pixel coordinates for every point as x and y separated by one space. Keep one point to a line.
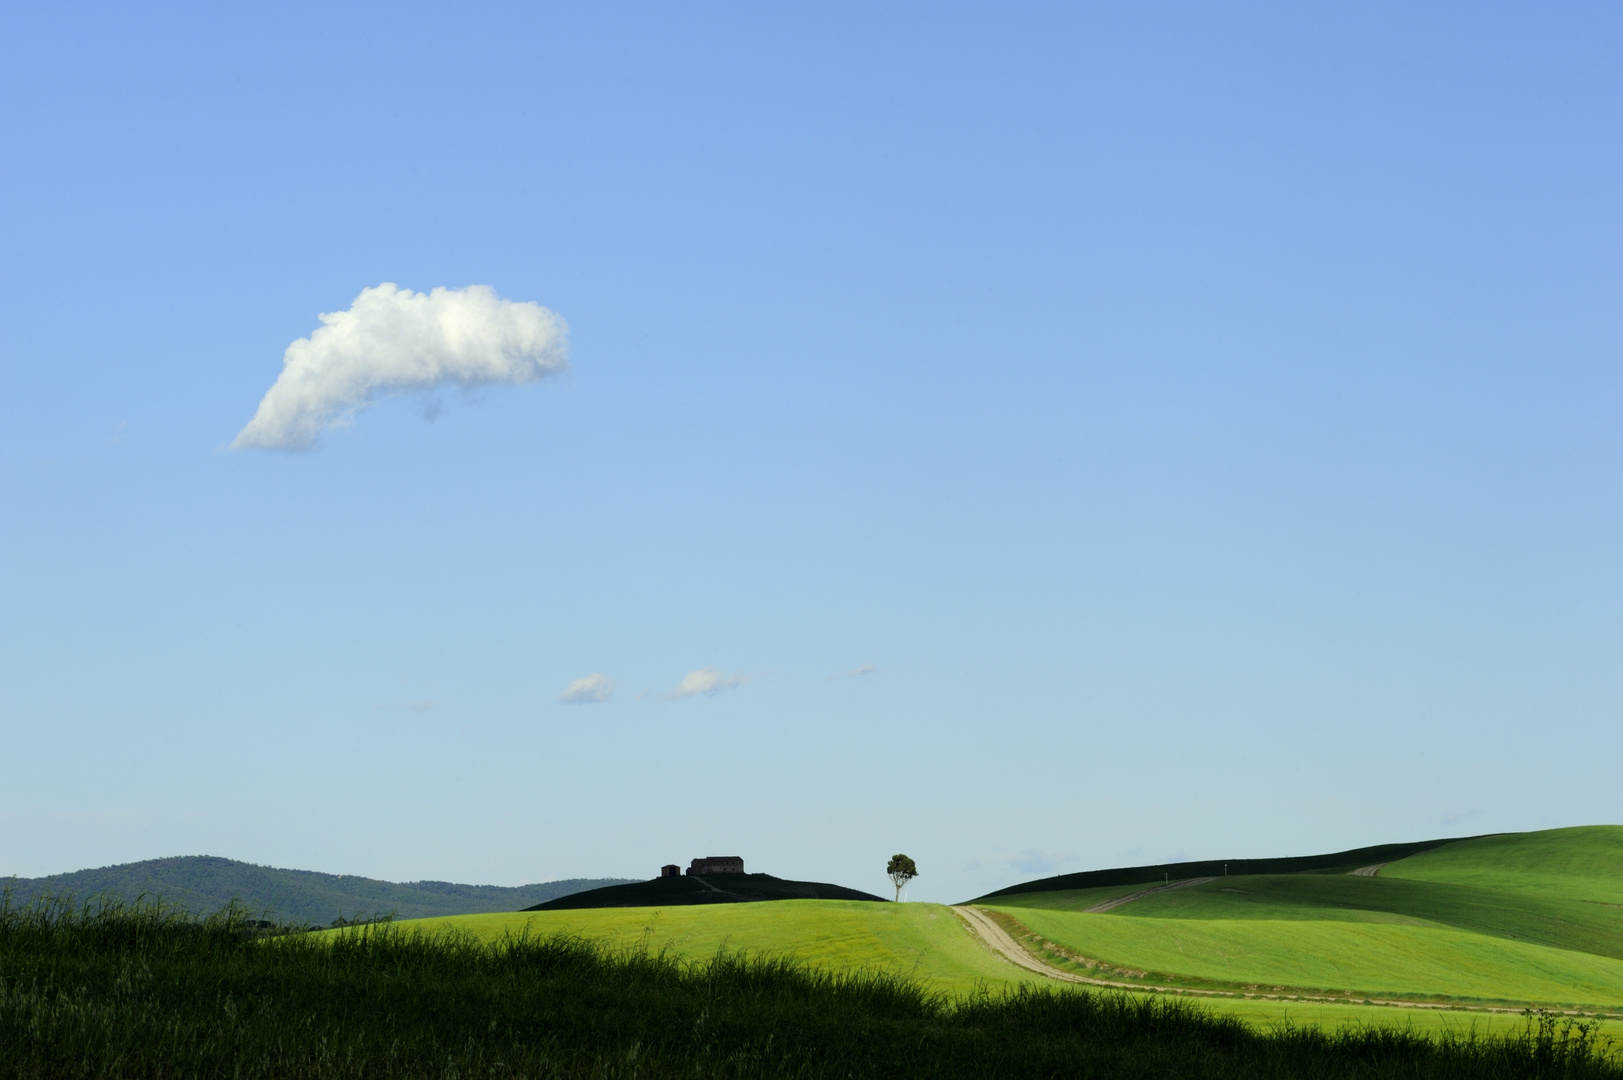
704 889
204 883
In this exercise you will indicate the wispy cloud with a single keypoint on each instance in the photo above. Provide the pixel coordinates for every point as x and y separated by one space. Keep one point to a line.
592 690
392 340
707 681
855 673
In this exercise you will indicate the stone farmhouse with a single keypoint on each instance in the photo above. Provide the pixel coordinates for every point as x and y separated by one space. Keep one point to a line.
714 864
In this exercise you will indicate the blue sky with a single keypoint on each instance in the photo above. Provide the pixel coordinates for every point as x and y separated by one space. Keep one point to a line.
1202 422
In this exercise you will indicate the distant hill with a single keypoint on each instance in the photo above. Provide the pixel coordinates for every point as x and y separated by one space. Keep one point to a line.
205 883
704 889
1339 862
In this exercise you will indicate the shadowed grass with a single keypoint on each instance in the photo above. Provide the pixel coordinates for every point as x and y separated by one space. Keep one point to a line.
143 992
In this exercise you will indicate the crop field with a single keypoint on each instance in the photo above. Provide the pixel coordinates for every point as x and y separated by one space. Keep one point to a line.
1530 919
926 941
1576 864
923 941
144 991
1364 959
1316 972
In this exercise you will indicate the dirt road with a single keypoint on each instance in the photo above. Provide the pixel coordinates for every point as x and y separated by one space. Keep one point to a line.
1368 871
999 941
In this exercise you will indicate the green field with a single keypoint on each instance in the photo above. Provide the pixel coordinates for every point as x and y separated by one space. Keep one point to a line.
1484 926
117 990
1583 864
924 940
1363 959
1519 919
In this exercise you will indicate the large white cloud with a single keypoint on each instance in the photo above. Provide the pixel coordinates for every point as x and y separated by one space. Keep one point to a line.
592 690
708 681
392 340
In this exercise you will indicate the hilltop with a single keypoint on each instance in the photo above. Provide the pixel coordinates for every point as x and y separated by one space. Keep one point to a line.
704 889
1339 862
204 883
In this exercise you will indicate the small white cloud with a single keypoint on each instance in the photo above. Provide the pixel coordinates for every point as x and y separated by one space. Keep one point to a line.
392 340
592 690
420 707
854 673
707 681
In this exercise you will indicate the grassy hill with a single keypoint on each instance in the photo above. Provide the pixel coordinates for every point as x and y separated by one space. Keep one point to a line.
1339 862
704 889
112 992
1310 946
1576 864
1525 918
926 940
203 884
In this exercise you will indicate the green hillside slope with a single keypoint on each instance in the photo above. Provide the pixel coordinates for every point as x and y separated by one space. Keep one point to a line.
204 884
1566 924
925 940
1360 959
921 940
1584 863
1335 862
1527 918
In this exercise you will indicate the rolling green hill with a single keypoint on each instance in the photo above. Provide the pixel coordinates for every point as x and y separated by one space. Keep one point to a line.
204 884
1357 960
925 940
1567 924
1318 945
1576 864
1337 862
1524 918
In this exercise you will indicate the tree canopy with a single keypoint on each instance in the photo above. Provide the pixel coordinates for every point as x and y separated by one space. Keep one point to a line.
901 870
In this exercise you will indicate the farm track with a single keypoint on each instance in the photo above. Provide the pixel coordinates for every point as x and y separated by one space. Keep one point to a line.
1368 871
1112 905
1001 942
998 940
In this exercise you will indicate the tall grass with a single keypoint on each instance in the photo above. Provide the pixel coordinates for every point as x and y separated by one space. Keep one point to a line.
108 990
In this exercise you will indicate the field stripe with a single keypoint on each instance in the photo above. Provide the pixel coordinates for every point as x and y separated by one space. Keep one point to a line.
1003 943
1112 905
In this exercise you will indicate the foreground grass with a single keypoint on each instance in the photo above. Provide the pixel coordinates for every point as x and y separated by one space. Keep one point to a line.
139 993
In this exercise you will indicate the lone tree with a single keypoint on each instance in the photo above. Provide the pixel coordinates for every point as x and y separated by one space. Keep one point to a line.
901 870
